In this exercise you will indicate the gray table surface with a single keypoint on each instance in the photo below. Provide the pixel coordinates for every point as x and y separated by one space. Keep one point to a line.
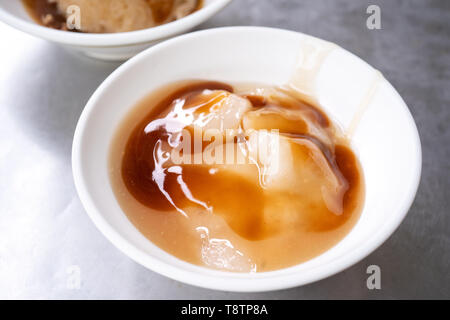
44 231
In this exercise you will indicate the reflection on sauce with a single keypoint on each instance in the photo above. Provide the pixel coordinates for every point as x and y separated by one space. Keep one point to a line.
233 216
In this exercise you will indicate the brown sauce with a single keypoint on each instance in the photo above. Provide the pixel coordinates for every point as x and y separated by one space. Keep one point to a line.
221 215
46 13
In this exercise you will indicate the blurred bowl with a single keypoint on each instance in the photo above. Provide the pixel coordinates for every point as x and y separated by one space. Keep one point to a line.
108 46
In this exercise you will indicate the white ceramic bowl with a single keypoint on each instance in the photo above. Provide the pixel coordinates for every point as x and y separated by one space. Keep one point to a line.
386 141
112 46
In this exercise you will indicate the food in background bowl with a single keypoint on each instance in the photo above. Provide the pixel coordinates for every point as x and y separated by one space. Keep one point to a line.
236 177
110 16
106 46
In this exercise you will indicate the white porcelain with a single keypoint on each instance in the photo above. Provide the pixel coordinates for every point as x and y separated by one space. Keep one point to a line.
387 143
112 46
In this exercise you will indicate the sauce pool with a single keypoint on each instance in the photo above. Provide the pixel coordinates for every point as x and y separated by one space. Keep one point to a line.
222 216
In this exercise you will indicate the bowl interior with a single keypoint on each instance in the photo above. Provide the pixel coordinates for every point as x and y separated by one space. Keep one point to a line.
386 142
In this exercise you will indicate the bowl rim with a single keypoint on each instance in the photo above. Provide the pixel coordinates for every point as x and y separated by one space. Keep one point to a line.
118 39
259 282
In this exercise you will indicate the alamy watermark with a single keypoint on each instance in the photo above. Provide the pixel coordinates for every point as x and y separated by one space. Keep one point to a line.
228 147
73 277
73 20
374 280
374 20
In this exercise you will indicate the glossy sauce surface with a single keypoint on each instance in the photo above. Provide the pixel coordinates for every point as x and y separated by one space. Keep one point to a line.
233 216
